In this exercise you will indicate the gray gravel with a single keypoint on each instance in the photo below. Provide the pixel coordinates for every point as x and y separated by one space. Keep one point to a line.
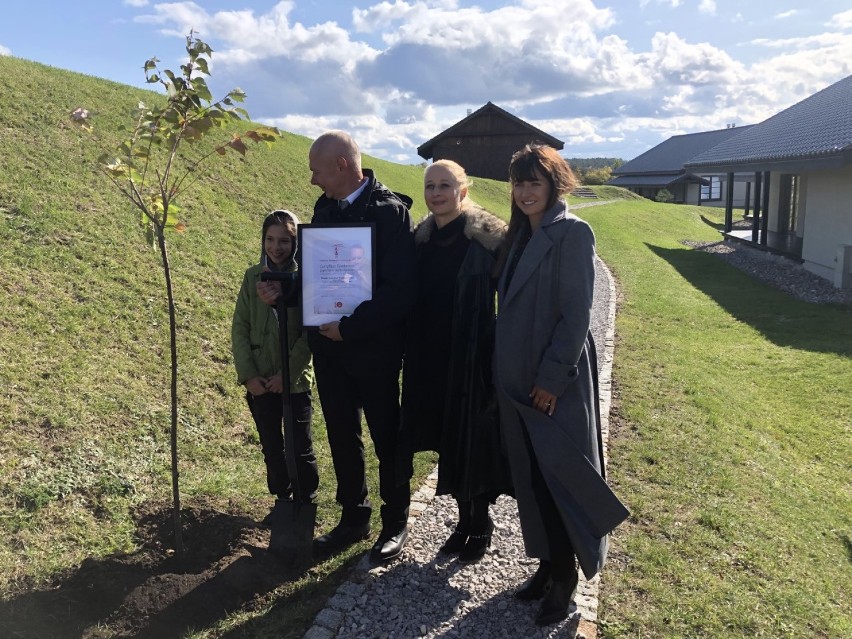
776 270
424 594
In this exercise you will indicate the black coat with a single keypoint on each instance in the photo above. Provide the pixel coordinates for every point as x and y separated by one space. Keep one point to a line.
454 411
376 329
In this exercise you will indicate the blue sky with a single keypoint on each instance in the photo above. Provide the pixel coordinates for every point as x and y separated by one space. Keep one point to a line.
608 78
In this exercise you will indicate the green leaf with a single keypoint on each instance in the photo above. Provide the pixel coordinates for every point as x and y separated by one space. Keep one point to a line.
151 64
201 89
172 217
238 95
201 64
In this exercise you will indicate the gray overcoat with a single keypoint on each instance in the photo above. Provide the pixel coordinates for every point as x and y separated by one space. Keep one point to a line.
543 339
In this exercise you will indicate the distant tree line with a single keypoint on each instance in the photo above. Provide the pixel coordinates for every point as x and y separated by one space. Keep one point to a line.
594 170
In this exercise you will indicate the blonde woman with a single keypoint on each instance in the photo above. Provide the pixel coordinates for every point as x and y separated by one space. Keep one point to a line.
448 402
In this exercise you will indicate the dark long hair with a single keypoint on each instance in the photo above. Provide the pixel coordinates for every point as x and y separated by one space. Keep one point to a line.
532 162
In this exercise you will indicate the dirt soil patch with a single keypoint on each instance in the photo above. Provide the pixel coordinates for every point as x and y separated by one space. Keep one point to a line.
152 593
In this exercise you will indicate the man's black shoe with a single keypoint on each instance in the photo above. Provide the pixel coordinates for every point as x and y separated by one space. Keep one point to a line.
340 537
389 546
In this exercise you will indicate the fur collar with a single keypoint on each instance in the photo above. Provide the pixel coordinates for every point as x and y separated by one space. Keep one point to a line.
479 226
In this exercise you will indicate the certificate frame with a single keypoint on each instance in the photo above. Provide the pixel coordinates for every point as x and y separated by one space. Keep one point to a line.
336 276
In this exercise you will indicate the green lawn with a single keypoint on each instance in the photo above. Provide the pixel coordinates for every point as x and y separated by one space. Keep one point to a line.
731 443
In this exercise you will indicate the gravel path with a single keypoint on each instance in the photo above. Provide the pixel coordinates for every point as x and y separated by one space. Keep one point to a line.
423 594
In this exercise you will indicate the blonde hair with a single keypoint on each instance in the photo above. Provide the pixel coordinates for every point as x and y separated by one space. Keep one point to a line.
455 169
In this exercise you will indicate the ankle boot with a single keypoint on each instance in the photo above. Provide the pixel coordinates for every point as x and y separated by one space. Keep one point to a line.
455 542
536 586
554 607
474 549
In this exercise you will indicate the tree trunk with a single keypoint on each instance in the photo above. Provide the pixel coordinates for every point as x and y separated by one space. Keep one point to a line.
161 239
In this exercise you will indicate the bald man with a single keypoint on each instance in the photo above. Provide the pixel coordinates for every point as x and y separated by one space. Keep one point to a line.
357 360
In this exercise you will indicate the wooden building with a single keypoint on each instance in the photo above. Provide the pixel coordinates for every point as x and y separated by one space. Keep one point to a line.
484 141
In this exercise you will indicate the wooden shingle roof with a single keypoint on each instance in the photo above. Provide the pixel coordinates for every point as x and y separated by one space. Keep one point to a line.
425 150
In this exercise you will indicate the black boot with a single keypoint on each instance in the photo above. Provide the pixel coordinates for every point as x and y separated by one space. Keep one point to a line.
456 541
474 549
536 586
481 529
554 607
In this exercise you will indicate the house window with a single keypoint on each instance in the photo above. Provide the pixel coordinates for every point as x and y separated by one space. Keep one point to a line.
712 191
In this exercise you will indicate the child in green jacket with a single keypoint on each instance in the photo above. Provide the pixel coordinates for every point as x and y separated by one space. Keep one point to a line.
257 357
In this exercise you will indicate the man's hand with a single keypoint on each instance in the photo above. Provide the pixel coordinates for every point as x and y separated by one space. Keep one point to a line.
331 331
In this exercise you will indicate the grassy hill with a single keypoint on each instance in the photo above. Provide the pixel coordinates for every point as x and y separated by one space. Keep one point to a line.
84 341
731 420
84 349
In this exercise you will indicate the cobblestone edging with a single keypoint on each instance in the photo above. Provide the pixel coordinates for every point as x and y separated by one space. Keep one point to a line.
423 594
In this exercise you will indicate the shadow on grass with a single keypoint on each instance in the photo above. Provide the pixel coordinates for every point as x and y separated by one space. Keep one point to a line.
292 616
150 593
848 545
719 226
783 320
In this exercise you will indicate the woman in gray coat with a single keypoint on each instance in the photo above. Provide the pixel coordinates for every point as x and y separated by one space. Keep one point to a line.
546 377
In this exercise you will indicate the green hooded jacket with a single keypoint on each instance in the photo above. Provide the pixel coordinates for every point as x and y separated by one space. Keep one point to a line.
254 336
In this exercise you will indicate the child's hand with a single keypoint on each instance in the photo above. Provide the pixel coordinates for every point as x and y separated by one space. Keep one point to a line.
256 386
268 291
275 384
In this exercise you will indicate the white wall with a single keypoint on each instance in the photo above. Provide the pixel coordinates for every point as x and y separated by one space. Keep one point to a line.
828 219
739 191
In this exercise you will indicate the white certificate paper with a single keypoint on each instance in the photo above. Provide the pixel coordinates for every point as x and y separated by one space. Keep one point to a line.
337 270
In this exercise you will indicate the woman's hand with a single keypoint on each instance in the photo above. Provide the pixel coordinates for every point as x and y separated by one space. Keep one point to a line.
543 400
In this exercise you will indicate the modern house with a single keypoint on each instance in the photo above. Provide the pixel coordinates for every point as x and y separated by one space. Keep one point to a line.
801 163
662 167
484 141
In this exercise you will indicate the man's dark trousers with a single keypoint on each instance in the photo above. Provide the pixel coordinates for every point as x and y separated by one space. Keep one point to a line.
346 384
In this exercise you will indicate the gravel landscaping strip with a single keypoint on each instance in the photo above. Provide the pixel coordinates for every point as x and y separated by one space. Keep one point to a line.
776 270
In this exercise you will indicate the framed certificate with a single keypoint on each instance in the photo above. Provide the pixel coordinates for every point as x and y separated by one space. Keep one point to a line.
338 270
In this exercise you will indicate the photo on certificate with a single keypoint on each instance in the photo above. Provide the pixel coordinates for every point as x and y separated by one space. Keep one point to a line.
337 268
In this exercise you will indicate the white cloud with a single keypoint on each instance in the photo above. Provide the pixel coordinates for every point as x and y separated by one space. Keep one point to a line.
841 20
786 14
408 69
135 3
671 3
5 50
